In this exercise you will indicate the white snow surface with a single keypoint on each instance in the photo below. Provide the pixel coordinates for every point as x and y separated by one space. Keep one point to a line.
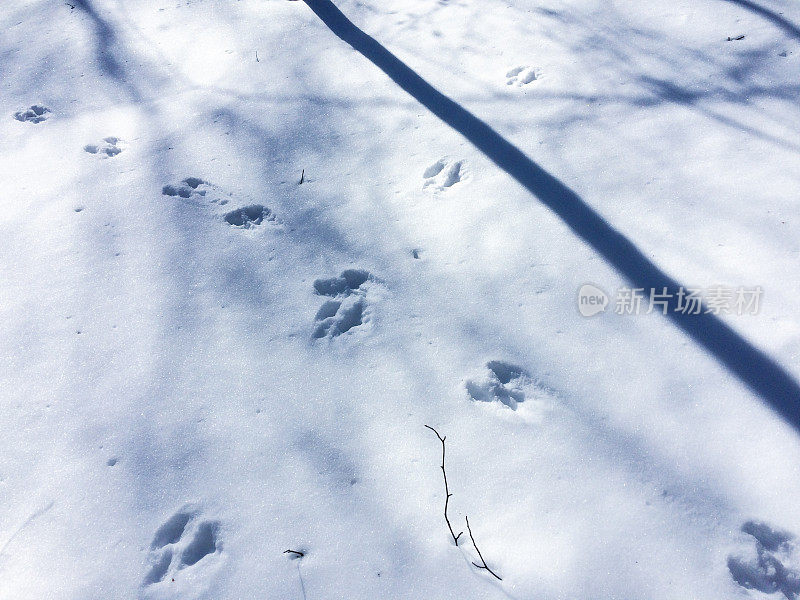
189 389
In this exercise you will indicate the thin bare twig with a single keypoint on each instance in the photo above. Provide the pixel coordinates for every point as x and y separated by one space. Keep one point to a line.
297 553
447 493
483 560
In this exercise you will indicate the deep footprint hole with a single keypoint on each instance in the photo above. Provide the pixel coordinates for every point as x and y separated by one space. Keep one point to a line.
160 568
204 543
434 169
172 530
352 316
355 278
193 182
170 190
350 280
248 216
505 372
328 310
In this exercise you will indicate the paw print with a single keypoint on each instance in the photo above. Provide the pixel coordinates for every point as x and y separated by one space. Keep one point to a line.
35 114
202 193
444 173
504 382
771 564
512 386
108 148
184 540
520 76
189 187
347 308
249 216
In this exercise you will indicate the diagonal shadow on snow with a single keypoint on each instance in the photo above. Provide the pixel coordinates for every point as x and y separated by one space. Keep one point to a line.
106 40
777 19
753 367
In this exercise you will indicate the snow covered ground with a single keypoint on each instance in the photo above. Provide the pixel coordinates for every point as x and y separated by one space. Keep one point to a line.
205 363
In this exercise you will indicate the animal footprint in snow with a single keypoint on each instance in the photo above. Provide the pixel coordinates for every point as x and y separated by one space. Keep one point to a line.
520 76
503 382
184 540
771 565
348 306
189 187
444 174
34 114
108 148
510 385
249 216
196 189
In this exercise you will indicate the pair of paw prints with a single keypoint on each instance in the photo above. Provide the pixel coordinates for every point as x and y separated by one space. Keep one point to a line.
188 188
35 114
771 564
245 217
522 76
509 385
109 147
348 306
444 174
184 540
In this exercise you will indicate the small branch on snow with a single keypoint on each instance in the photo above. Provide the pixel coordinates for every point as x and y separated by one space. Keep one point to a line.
297 553
484 565
447 493
302 177
735 39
